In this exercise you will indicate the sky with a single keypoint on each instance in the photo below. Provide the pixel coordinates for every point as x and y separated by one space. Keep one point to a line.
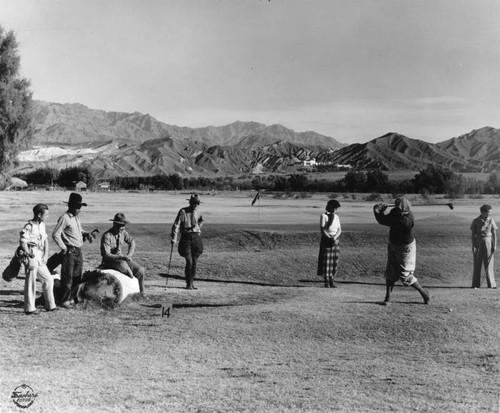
350 69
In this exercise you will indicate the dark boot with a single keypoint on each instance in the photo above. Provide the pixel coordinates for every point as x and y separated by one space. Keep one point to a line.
326 282
389 287
425 294
331 283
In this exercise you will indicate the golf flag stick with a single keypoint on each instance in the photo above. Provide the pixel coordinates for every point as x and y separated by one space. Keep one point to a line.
169 261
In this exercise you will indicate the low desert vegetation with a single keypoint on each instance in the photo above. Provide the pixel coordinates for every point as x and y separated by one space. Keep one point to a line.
430 180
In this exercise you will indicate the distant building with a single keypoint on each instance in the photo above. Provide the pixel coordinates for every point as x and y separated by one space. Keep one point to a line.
81 186
309 162
17 183
104 186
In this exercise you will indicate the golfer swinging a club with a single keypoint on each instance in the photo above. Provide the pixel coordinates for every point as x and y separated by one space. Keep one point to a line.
402 248
189 222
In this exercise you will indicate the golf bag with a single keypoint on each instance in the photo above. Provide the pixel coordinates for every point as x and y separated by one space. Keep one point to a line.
12 270
54 261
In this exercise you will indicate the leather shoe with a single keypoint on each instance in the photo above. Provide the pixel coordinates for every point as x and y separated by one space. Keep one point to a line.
31 312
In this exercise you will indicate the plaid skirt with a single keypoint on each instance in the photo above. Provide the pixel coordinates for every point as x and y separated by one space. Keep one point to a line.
328 257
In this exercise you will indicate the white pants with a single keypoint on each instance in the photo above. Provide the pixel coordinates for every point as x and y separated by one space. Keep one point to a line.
36 268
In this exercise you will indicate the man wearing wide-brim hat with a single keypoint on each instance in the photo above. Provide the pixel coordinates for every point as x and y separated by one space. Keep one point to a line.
69 235
188 223
113 253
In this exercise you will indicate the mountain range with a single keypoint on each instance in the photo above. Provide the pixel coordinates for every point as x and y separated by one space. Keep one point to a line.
133 144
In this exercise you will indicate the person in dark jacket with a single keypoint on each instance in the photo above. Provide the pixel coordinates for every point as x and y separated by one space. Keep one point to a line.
402 247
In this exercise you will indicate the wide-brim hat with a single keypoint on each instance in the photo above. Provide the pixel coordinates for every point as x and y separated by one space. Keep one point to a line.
120 219
75 200
194 199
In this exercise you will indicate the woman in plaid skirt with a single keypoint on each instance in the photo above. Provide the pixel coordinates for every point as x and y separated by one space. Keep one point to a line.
329 247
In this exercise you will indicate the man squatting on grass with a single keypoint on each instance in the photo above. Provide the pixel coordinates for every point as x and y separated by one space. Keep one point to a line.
484 243
402 247
35 245
69 236
189 222
112 253
329 245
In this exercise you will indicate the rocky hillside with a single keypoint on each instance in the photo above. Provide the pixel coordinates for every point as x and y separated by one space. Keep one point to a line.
134 144
480 147
477 151
395 152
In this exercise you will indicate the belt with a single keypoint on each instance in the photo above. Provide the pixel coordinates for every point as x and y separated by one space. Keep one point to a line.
72 247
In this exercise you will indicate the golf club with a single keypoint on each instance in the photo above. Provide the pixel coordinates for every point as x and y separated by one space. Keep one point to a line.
449 205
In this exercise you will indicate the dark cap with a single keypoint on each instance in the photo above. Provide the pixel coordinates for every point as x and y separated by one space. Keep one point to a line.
333 203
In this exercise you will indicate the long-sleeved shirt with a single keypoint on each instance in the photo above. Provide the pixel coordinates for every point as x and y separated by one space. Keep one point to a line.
112 245
401 225
483 228
68 231
187 221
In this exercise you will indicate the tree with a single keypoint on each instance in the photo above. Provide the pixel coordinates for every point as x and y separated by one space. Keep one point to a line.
355 181
281 184
42 176
298 182
493 184
377 181
436 180
70 176
16 127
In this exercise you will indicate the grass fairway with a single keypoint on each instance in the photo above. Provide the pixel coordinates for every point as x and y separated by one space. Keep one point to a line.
260 333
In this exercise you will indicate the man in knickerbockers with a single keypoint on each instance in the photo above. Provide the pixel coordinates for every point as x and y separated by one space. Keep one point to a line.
189 222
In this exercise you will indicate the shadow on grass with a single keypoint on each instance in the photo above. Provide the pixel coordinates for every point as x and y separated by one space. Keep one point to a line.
392 303
11 292
178 277
320 281
12 304
197 305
